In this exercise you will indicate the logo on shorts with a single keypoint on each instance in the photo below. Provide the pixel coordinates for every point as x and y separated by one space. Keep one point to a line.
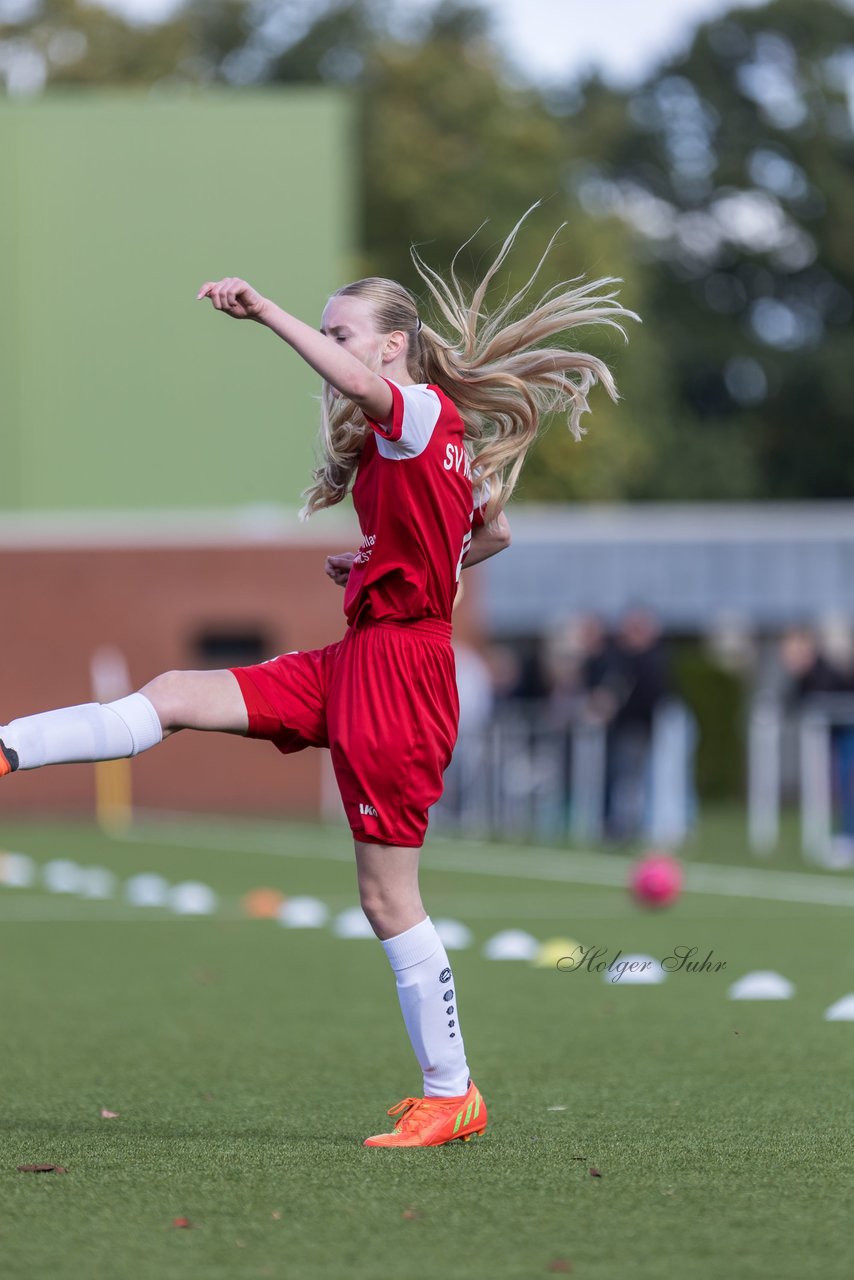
449 995
368 809
445 975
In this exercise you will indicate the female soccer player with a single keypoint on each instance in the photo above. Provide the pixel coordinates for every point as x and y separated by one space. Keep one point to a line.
408 417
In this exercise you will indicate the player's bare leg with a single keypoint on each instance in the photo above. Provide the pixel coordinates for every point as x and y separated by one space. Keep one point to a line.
207 700
391 899
388 887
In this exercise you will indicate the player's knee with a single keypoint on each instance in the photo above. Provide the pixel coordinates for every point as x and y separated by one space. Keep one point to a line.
376 909
380 905
388 912
168 694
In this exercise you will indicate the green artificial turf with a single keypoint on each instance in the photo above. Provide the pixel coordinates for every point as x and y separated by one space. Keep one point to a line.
248 1061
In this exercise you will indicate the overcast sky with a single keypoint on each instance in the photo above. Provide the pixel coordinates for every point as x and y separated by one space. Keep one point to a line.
622 38
560 38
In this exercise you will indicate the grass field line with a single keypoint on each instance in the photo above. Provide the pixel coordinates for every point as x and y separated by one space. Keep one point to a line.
26 914
521 862
44 908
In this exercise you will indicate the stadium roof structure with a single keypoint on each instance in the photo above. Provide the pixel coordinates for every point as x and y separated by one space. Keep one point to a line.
695 566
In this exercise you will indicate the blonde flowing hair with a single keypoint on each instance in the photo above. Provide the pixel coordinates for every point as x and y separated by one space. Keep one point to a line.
497 369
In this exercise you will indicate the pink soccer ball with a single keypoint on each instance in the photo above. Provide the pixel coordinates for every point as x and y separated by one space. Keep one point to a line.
656 880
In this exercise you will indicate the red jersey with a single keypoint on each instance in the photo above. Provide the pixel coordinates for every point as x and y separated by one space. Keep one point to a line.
413 498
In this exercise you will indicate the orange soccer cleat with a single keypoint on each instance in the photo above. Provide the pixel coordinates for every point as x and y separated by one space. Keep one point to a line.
430 1122
8 759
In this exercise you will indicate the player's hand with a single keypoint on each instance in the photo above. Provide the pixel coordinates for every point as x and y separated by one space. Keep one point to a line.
235 297
338 567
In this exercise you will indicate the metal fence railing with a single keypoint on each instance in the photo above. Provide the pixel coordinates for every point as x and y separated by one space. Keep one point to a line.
523 778
821 733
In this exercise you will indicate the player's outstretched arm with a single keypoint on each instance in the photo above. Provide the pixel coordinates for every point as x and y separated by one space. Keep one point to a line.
342 370
488 539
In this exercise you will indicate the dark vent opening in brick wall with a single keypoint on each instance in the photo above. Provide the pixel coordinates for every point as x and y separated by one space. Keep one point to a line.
220 646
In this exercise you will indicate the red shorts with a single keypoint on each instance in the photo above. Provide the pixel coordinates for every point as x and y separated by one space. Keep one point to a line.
384 700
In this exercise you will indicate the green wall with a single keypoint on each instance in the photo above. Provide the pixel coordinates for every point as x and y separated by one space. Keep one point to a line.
118 389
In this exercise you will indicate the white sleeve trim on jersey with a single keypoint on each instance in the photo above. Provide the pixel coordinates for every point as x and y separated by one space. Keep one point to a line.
481 493
421 409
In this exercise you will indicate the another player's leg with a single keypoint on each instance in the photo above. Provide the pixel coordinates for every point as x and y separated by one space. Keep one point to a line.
208 700
451 1107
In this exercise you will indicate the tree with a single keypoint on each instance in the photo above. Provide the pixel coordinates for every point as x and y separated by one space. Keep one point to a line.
66 42
721 190
447 145
733 169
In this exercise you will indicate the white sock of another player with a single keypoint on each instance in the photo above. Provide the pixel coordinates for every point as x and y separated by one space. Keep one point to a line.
425 988
91 731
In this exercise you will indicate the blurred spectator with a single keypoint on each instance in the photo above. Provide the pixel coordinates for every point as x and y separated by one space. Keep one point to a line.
836 646
808 671
475 689
594 642
634 680
532 684
600 671
463 797
505 670
568 657
564 656
731 645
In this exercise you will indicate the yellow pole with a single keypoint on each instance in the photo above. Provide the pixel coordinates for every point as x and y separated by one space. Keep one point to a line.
113 782
113 795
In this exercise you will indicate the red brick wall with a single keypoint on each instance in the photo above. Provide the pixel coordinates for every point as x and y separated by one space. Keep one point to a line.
59 606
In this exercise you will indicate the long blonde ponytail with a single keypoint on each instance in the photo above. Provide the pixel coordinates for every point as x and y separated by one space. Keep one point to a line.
495 368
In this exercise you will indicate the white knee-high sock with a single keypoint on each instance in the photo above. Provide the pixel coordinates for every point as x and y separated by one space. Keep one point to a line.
428 1000
91 731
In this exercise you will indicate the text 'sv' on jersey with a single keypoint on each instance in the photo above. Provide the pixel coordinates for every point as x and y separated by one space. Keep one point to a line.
413 497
